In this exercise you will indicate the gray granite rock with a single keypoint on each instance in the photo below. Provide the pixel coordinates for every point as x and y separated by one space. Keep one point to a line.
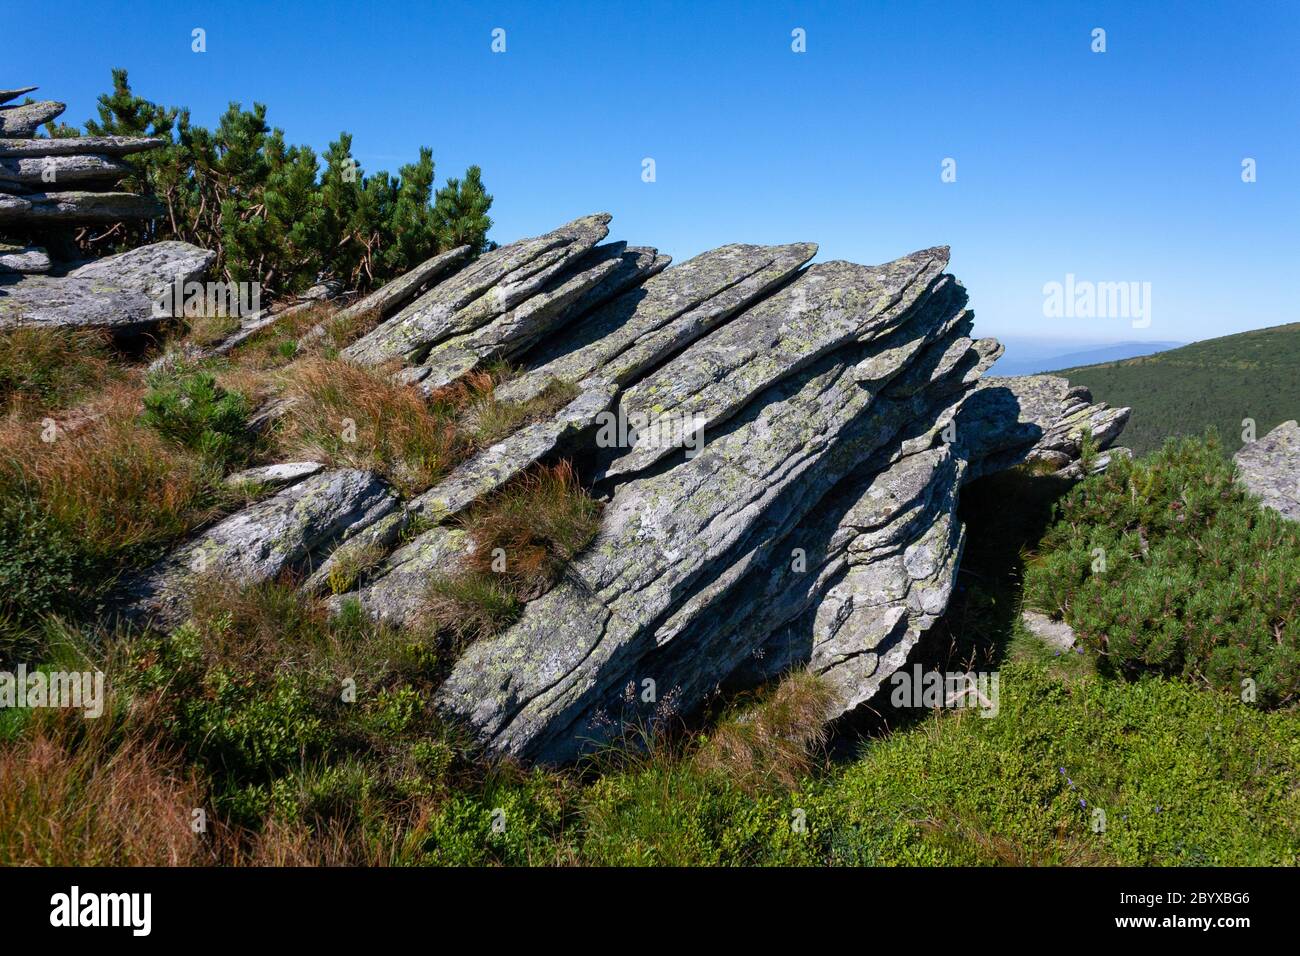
1034 419
1055 634
843 410
7 95
274 477
27 260
1270 468
397 593
116 292
278 534
49 172
640 328
671 545
76 207
829 306
598 276
493 285
80 145
390 297
150 269
24 120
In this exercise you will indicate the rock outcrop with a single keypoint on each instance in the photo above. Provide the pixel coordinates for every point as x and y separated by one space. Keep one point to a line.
278 534
50 184
1270 468
781 450
117 292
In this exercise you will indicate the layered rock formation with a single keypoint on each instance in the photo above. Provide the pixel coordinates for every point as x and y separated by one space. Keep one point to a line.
122 291
781 449
48 184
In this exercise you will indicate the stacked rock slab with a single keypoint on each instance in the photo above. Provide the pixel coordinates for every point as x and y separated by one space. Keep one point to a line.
785 497
49 184
119 292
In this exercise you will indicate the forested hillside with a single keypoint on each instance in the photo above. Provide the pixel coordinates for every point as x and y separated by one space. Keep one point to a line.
1216 382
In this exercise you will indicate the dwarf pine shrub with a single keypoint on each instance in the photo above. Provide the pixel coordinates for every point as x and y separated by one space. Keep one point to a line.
1166 564
195 412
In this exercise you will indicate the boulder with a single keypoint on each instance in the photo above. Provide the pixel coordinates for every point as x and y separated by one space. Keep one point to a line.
783 492
279 534
24 259
671 545
118 292
24 120
150 269
1270 468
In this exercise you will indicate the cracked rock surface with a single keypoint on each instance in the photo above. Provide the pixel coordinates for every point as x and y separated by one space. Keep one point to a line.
784 494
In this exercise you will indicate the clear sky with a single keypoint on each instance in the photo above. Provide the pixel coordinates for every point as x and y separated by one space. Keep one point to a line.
1122 166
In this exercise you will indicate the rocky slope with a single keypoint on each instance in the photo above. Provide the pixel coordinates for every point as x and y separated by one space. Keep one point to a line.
781 449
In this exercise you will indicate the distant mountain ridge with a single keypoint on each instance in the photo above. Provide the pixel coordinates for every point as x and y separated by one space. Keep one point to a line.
1251 375
1018 359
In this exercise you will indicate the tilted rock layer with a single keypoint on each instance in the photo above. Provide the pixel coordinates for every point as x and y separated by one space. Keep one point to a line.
780 447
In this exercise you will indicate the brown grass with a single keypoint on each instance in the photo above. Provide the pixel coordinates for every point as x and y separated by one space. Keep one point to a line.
527 532
393 429
774 742
524 536
76 796
46 369
964 833
112 483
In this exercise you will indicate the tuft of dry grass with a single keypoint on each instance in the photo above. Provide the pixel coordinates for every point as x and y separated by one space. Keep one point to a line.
527 532
351 415
112 484
90 795
524 536
45 369
470 606
775 741
963 832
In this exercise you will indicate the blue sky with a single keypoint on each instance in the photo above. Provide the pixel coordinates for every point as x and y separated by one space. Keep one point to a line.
1123 166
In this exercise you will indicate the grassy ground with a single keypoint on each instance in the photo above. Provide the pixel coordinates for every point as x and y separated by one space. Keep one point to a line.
299 738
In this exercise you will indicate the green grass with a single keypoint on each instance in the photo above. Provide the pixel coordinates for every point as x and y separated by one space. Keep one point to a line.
1218 382
313 739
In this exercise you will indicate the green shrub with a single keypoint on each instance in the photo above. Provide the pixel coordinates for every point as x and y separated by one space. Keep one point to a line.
191 409
39 564
1166 564
278 214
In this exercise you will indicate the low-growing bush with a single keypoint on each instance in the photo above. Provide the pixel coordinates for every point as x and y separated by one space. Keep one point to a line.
192 410
1167 564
